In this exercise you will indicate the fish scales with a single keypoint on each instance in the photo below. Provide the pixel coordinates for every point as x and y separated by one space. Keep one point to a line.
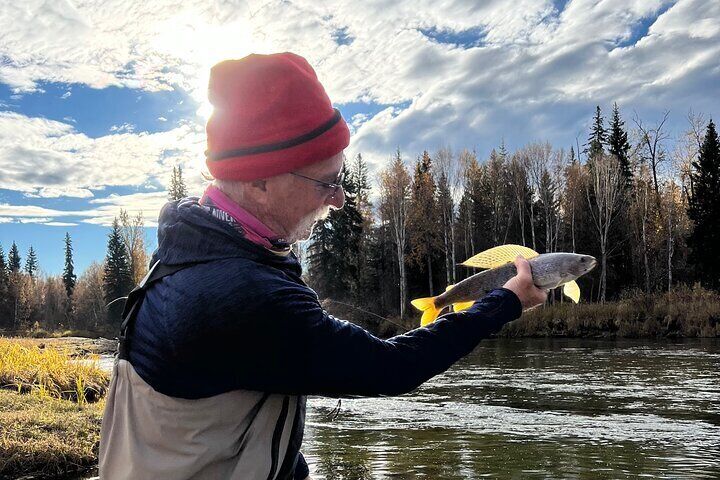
477 286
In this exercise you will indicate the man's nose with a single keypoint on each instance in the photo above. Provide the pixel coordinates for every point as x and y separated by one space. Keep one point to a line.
337 200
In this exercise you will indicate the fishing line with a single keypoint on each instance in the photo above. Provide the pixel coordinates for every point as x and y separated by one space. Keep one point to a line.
371 313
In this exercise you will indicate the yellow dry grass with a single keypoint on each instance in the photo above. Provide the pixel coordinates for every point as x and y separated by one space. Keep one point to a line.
27 367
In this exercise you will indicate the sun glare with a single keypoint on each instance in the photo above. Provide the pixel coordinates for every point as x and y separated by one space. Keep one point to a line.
199 45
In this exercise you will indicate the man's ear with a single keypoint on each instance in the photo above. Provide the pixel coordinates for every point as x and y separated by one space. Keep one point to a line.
260 184
259 190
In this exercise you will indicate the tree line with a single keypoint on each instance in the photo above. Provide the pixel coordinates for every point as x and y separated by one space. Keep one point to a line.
29 301
649 215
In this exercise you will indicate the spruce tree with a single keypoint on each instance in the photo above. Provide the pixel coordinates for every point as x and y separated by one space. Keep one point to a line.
4 289
704 210
618 144
3 274
31 263
68 275
598 136
423 214
361 184
117 279
334 261
177 188
14 259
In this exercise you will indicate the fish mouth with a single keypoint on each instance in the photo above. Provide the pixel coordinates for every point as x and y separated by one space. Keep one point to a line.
590 262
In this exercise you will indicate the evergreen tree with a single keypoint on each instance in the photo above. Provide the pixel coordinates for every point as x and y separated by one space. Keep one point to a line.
423 216
598 136
3 270
31 263
68 275
446 208
177 188
118 278
704 210
4 289
618 144
360 182
14 259
334 260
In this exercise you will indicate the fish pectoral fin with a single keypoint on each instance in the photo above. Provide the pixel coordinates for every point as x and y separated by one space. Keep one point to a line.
427 306
496 256
572 290
460 306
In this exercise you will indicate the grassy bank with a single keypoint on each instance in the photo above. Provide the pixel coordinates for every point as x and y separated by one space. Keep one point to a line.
683 313
50 408
47 437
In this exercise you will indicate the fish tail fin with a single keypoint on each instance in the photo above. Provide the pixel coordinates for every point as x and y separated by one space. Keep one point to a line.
427 306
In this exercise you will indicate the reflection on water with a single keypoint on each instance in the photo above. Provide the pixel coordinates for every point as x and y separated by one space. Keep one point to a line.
536 409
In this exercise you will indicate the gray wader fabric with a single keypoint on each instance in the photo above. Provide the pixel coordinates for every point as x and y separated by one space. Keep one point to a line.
148 435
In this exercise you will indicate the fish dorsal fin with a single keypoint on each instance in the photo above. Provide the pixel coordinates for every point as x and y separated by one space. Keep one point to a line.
497 256
572 290
447 289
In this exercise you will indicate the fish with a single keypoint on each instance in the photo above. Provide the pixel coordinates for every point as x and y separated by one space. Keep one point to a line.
549 270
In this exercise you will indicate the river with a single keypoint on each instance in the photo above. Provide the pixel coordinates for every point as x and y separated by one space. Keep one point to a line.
536 408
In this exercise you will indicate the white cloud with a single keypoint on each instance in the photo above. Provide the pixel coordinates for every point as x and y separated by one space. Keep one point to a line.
531 71
60 224
148 204
124 128
46 158
102 211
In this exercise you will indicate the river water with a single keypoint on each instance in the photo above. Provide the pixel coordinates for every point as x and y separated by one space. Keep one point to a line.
536 408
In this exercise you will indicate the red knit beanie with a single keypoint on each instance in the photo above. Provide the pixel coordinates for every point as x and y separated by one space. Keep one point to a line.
271 116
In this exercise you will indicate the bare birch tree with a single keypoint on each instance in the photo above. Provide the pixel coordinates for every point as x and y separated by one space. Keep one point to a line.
394 199
517 175
604 195
448 176
652 147
132 231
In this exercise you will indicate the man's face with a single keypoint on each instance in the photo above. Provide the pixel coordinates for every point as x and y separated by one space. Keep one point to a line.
297 203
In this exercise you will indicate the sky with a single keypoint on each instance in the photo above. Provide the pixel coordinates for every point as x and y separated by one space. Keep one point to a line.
100 99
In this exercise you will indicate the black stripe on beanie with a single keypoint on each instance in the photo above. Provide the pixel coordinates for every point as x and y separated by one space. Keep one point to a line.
272 147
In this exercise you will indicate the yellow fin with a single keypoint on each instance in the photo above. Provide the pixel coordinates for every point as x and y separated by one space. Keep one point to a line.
427 306
497 256
460 306
572 290
447 289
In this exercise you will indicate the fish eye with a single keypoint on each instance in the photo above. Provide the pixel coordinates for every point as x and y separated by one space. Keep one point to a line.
582 259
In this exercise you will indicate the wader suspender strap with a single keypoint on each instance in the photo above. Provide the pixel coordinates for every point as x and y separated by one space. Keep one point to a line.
135 299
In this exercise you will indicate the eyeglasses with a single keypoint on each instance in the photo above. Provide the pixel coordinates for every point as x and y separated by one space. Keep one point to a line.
332 188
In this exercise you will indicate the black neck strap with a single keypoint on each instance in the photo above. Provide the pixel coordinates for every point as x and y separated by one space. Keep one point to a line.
135 298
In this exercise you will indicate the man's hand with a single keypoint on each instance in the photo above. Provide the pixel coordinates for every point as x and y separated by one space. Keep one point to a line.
522 285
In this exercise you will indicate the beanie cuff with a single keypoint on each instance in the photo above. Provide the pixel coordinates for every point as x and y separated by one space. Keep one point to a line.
272 147
265 161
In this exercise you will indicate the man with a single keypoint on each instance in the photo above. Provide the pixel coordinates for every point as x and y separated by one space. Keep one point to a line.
223 339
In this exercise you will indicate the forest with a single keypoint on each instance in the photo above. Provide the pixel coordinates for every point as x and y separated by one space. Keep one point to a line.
639 198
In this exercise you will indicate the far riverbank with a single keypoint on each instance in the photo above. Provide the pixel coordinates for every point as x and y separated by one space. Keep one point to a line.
683 313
